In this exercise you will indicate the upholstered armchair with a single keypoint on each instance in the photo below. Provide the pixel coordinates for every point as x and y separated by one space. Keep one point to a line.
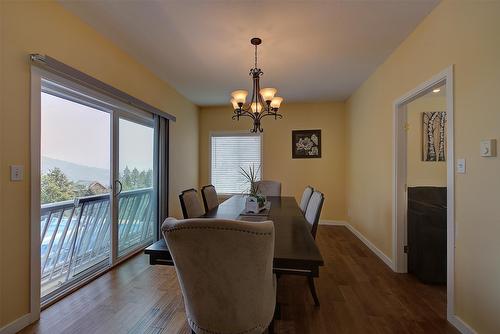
313 211
191 207
210 199
225 270
269 188
306 196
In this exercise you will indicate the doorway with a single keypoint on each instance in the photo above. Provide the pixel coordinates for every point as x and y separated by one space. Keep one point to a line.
426 179
98 184
424 183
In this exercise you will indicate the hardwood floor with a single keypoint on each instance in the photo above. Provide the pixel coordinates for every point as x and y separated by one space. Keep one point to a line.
358 294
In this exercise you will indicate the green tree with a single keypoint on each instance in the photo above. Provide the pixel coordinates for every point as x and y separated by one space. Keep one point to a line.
56 187
148 183
126 179
135 179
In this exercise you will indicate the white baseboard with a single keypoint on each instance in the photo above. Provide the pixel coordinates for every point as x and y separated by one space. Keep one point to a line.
461 325
16 325
361 237
333 222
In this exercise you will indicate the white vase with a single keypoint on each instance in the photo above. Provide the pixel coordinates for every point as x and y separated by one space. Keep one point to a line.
252 205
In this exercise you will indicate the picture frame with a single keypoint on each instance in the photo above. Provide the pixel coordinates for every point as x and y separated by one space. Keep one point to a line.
306 144
434 133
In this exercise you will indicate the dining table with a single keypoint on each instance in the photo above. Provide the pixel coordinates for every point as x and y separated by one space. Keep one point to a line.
295 250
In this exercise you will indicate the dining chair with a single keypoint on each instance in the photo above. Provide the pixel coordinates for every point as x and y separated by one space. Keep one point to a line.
269 188
190 204
225 270
306 196
210 199
313 211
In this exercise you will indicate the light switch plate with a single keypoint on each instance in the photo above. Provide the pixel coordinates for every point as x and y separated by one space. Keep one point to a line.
461 166
488 148
16 173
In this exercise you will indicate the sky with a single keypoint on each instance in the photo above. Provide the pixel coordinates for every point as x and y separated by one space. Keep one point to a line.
80 134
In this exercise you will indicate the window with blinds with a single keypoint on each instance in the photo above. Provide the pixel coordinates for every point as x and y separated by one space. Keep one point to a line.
229 152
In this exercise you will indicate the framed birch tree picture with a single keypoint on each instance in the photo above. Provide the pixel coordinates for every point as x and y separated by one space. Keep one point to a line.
434 136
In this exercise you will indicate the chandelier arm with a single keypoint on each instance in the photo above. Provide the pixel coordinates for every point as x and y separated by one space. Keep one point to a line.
271 114
258 96
241 115
247 114
252 100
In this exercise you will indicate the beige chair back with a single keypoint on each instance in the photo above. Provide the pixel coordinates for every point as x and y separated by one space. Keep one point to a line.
306 196
190 204
210 199
269 188
225 270
313 211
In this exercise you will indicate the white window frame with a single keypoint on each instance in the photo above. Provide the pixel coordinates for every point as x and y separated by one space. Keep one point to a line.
234 134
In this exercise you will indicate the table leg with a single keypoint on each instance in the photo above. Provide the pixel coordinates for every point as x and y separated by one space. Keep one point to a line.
270 328
277 311
310 279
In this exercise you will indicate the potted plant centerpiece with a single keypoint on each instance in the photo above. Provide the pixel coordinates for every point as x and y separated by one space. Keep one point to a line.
255 201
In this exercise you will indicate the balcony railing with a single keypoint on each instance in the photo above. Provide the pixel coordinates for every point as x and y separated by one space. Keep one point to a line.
76 235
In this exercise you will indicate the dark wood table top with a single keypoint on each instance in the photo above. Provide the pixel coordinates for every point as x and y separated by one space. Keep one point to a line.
295 248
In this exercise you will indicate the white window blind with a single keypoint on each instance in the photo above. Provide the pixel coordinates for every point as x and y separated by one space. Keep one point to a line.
229 152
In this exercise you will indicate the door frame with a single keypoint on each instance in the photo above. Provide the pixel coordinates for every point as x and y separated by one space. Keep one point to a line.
400 178
144 120
107 104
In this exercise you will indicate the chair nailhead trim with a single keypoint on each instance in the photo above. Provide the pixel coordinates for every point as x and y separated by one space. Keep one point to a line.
212 332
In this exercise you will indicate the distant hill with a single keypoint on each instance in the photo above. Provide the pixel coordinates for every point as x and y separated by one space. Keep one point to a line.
76 172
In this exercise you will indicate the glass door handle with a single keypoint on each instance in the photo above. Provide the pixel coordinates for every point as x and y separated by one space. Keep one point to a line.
118 183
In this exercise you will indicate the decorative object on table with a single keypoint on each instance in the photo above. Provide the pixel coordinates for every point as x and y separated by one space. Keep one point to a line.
306 144
434 136
254 208
255 202
263 102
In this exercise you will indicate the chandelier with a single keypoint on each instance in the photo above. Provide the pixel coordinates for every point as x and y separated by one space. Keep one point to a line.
263 101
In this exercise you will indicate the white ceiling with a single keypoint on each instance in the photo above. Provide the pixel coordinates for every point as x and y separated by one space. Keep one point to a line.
311 51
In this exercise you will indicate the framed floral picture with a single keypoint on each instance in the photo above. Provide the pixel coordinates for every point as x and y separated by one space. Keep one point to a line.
306 144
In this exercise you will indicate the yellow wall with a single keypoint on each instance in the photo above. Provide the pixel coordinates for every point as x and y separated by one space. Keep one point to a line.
423 173
326 174
464 33
46 28
2 169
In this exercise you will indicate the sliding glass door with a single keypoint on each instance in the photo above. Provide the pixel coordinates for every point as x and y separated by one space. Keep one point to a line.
136 195
98 185
74 190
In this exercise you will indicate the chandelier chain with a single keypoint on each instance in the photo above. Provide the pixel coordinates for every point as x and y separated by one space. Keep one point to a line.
256 56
